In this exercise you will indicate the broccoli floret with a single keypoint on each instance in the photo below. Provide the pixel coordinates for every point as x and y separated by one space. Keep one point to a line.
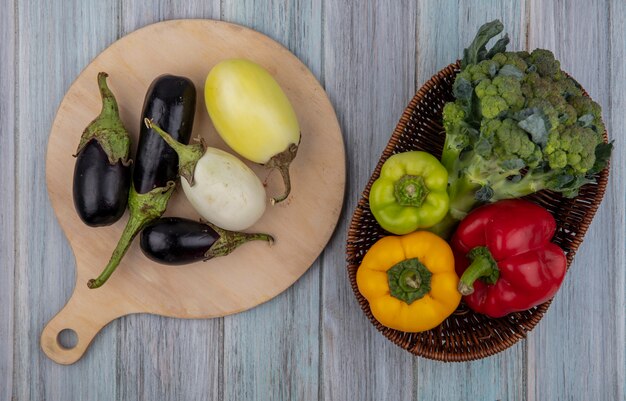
515 59
492 106
486 88
565 112
457 136
547 109
511 91
569 88
573 148
509 143
518 125
486 69
457 132
545 63
501 94
589 113
535 86
584 105
453 115
547 95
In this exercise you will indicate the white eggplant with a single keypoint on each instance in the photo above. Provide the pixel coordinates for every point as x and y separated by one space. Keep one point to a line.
220 187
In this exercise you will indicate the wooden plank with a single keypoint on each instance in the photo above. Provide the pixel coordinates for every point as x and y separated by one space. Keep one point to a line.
444 30
169 359
160 358
272 351
137 13
295 24
369 74
577 352
7 195
55 41
615 204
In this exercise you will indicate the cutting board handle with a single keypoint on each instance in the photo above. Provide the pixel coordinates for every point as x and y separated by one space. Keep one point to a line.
86 313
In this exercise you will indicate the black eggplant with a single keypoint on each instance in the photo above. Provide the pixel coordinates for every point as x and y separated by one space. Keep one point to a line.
102 169
178 241
171 100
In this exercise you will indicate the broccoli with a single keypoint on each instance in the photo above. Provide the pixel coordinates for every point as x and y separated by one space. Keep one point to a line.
518 125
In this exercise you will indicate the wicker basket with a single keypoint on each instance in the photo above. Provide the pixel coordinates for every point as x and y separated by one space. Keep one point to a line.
465 335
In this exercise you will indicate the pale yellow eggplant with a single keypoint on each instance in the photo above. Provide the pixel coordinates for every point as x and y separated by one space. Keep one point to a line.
253 115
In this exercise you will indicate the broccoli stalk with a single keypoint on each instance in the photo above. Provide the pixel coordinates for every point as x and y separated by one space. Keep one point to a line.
518 125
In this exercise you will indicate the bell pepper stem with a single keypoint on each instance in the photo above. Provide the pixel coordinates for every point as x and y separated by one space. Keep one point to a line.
409 280
410 190
412 280
230 240
281 161
143 208
188 155
483 267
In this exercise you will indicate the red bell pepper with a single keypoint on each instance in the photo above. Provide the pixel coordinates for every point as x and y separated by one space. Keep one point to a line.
505 258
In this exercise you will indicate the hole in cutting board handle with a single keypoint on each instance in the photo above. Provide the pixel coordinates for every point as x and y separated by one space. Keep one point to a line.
67 339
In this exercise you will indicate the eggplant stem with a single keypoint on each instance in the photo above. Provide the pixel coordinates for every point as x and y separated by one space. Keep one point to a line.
188 155
143 209
281 162
173 143
134 225
107 129
230 240
109 104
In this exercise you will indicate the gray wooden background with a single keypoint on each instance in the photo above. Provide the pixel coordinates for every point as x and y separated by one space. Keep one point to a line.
312 341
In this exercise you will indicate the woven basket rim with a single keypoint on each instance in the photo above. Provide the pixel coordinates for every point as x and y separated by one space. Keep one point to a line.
351 258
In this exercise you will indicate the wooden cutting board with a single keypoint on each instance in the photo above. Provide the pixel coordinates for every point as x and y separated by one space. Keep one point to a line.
254 273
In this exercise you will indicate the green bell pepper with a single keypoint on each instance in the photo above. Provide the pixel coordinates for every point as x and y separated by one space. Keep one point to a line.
410 193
